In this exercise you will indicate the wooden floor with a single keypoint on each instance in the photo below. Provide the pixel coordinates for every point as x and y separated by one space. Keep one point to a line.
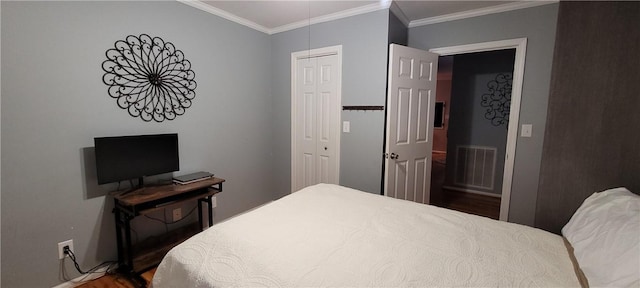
117 281
465 202
470 203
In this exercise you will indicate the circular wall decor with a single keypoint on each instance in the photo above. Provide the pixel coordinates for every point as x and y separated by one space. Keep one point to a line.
498 100
149 78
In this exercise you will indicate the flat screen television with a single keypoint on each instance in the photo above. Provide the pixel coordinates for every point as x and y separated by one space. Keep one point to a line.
438 121
134 157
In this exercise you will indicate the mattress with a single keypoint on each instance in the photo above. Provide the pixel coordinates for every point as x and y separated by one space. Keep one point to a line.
328 235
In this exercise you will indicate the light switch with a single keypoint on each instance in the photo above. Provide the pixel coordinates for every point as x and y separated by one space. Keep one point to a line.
526 130
346 126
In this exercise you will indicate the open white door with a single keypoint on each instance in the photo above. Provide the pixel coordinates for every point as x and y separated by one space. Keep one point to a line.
410 107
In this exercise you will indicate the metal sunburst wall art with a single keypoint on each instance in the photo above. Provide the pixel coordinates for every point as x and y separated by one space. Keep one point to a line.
498 100
149 78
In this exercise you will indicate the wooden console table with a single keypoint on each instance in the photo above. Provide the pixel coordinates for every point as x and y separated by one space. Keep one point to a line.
136 259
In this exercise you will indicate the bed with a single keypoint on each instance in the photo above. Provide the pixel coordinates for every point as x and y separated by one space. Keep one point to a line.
328 235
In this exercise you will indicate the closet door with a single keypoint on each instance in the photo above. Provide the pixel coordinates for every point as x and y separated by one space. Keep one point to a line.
315 121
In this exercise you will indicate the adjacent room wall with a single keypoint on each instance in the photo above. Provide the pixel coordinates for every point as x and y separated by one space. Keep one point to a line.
364 81
592 140
54 103
538 25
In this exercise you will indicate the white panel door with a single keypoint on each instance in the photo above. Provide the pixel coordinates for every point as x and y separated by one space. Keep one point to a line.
316 121
306 94
410 109
327 120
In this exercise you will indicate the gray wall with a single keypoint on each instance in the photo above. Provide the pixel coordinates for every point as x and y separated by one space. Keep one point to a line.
467 122
538 24
592 140
54 103
398 32
364 81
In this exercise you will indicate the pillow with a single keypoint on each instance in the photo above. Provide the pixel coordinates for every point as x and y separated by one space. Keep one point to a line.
605 235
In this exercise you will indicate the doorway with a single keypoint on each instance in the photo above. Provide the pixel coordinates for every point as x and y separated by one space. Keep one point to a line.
474 92
513 118
520 46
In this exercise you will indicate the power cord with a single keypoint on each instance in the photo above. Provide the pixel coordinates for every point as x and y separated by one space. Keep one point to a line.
173 222
72 256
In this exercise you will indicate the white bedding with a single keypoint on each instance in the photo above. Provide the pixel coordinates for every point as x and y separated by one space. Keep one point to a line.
327 235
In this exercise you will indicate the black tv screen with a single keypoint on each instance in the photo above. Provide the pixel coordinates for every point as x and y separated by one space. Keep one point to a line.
130 157
438 121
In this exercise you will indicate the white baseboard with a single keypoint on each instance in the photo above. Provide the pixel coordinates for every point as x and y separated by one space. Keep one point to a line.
472 191
83 278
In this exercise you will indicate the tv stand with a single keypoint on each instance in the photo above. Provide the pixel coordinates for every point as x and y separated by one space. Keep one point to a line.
136 259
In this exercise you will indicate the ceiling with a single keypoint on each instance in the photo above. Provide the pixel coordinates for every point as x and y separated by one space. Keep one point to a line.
276 16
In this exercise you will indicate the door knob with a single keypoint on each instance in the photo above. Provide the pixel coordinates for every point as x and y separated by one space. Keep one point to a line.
394 156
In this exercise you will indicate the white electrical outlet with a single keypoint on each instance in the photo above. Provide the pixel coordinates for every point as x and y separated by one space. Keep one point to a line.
214 202
177 214
61 246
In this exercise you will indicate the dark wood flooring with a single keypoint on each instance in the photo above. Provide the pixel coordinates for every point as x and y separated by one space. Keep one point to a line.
470 203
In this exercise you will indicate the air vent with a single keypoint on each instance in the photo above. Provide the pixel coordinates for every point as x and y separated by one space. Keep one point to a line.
475 166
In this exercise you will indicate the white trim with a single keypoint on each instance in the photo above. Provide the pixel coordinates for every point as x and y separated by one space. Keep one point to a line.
335 16
82 278
471 191
224 14
395 9
383 4
479 12
319 52
520 45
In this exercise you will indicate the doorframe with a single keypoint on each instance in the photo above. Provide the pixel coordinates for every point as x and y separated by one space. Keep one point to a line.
313 53
520 44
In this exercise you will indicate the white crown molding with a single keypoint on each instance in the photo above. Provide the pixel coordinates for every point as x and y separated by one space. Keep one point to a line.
395 9
224 14
480 12
383 4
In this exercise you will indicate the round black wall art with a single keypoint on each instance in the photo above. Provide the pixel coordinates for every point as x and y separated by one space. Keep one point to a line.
149 78
498 100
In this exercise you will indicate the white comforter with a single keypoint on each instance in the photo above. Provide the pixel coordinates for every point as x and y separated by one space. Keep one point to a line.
327 235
